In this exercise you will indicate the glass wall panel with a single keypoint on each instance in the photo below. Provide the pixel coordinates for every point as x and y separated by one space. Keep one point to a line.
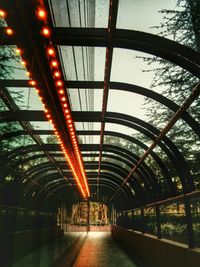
173 222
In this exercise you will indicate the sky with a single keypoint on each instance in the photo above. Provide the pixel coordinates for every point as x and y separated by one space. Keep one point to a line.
133 15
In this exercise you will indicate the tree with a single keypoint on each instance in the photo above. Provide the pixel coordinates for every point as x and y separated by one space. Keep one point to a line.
184 25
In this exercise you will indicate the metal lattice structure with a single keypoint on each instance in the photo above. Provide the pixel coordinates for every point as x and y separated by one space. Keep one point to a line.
114 173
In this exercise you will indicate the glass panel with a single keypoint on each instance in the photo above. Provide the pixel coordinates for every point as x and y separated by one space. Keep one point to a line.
26 98
195 210
86 99
138 220
121 129
94 140
187 143
43 125
13 67
80 126
175 17
10 127
80 13
134 103
150 220
83 63
127 68
173 222
49 139
14 142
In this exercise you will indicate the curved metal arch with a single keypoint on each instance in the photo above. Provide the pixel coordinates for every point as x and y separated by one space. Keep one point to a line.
152 44
143 169
129 192
127 197
45 166
106 176
119 200
42 168
148 172
170 149
54 147
151 132
151 189
128 155
122 87
173 154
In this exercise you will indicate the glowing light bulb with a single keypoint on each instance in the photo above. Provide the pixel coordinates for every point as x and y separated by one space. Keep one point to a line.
46 32
61 91
2 13
54 63
32 82
41 14
57 74
18 51
50 51
9 31
59 83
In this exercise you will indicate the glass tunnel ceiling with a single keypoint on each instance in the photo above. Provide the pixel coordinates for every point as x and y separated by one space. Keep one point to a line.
106 97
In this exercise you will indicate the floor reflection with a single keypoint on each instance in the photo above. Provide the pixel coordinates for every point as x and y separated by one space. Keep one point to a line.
49 253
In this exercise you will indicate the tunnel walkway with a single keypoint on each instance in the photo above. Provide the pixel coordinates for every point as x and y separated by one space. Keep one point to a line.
99 249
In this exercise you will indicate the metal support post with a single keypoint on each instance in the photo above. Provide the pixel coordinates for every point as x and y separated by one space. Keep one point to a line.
158 224
88 215
142 220
188 215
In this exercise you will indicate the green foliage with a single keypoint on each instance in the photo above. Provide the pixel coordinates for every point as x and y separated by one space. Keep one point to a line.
182 25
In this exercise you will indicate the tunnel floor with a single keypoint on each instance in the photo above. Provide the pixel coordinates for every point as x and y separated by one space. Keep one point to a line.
99 249
81 250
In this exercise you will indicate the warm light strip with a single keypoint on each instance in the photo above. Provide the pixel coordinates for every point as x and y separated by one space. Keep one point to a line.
80 179
59 83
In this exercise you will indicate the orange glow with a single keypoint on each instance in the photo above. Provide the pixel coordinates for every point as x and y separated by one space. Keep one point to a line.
54 63
66 110
28 73
57 74
63 98
48 116
59 83
37 90
18 51
2 13
32 82
65 105
41 13
61 91
50 51
46 32
23 63
9 31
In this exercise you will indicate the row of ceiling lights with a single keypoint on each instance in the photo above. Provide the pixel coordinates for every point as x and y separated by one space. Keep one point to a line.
79 173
